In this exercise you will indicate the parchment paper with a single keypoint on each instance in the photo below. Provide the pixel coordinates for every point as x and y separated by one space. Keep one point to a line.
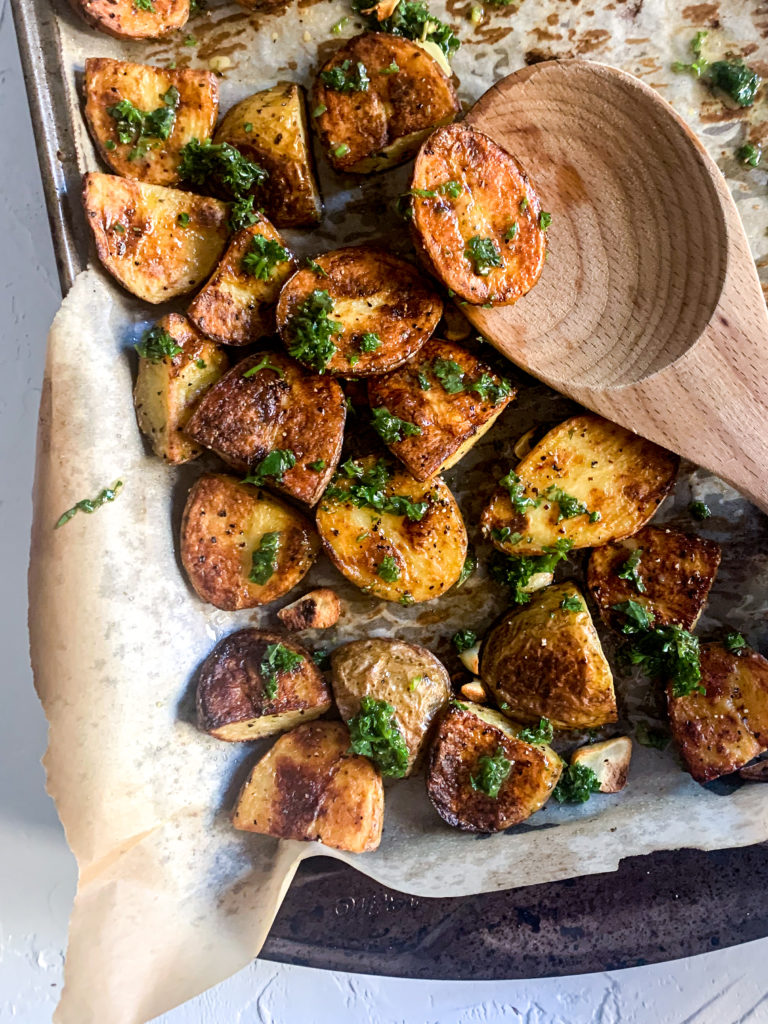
171 899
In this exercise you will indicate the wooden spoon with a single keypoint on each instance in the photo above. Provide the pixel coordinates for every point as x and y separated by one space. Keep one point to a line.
649 310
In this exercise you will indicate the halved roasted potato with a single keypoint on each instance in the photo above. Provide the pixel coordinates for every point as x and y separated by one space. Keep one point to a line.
588 481
407 676
477 221
364 312
168 386
247 415
409 549
242 547
376 99
450 395
157 242
309 787
318 609
609 761
669 572
725 727
125 19
255 683
545 661
237 305
477 750
152 150
270 128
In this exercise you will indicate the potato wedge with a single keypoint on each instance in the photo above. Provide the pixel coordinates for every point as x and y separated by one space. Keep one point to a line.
237 306
609 761
485 243
319 609
270 128
168 388
620 479
124 20
225 523
723 729
407 676
385 309
545 661
108 81
233 689
387 554
308 787
466 735
382 125
670 572
244 418
141 241
436 390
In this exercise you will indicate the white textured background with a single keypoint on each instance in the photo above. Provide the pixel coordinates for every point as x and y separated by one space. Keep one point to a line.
37 874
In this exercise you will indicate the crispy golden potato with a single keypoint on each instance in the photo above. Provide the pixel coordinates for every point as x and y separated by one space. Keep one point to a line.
167 389
123 19
372 293
545 661
721 730
225 523
309 787
237 306
619 478
675 573
451 421
388 555
270 128
368 130
486 243
319 609
244 418
609 761
233 689
466 735
141 241
108 81
407 676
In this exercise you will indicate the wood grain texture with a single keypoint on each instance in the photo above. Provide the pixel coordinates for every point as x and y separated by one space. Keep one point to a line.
649 310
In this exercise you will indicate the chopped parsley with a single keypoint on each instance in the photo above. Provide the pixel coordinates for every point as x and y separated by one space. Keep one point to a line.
341 150
388 569
242 214
450 375
504 535
668 652
340 25
219 165
369 342
366 489
315 267
90 505
182 220
157 344
318 466
630 571
312 331
516 489
390 69
749 154
482 252
511 233
463 639
451 188
492 773
344 78
469 567
541 733
412 20
200 364
136 127
698 65
517 571
263 364
637 619
391 428
545 219
699 510
523 204
649 736
572 603
319 110
322 659
274 465
576 785
144 5
277 658
423 381
492 389
262 257
374 733
733 77
734 643
568 507
264 558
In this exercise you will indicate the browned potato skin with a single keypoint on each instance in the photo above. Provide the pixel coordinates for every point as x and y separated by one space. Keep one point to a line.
494 186
385 669
236 308
463 736
319 609
450 423
216 542
392 116
243 418
108 81
372 291
722 730
565 679
120 18
231 702
308 787
676 568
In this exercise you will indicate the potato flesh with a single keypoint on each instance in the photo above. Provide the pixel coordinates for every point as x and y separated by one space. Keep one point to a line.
609 761
123 19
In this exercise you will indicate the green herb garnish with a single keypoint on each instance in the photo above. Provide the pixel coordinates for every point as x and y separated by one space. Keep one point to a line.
541 733
277 658
545 219
90 505
262 257
312 331
390 69
492 773
637 618
274 465
463 639
219 165
469 567
749 154
450 375
319 110
340 25
365 489
341 150
576 785
572 603
630 571
568 506
516 489
242 214
318 466
504 535
482 252
388 569
511 233
391 428
491 389
412 20
315 267
263 364
374 733
135 127
157 344
144 5
264 558
369 342
517 571
345 78
661 651
732 77
699 510
648 736
182 220
734 643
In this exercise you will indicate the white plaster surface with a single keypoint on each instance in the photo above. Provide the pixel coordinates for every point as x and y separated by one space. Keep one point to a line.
37 875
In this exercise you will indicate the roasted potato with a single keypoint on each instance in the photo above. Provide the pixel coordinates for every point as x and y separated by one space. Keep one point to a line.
545 661
245 417
588 481
309 787
475 692
468 734
319 609
722 729
402 94
384 309
236 679
407 676
390 555
168 387
237 306
481 235
609 761
157 242
148 158
226 523
270 128
450 395
668 572
126 20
